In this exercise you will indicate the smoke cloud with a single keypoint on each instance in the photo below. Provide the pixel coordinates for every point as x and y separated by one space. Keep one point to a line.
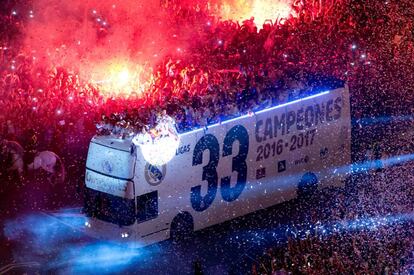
88 34
93 37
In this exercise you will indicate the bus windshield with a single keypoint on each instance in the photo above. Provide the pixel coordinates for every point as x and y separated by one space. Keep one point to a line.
115 161
109 208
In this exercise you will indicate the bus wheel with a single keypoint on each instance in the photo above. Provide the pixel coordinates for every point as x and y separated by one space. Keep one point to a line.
308 186
182 227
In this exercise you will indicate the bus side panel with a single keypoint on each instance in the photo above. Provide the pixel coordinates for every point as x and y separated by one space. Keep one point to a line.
284 143
321 148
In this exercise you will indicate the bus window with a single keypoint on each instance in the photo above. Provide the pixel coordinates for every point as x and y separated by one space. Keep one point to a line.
110 161
110 208
147 206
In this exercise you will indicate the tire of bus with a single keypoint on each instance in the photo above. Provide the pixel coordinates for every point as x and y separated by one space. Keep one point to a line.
308 186
182 227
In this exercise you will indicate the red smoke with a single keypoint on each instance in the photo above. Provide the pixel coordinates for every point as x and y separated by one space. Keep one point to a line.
68 33
102 38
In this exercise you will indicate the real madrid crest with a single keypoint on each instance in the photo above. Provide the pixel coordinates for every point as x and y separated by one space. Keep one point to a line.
107 167
155 174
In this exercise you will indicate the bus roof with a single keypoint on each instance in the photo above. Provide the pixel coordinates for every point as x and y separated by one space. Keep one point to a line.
113 142
330 84
319 86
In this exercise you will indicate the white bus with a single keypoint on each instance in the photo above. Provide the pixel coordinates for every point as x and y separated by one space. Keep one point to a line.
220 173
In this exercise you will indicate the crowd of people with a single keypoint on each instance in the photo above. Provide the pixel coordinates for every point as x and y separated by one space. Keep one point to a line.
232 69
366 227
257 69
374 233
